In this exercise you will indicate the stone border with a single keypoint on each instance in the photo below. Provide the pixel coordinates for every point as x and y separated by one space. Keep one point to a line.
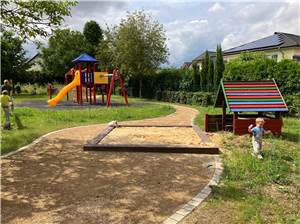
186 209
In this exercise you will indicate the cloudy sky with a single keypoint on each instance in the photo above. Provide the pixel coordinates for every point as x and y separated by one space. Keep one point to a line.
194 26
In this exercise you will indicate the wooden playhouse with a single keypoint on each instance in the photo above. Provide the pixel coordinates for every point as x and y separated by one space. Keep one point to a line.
247 100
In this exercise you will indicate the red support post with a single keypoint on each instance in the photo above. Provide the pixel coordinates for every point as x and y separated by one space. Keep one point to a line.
66 81
80 87
102 94
94 93
112 83
122 88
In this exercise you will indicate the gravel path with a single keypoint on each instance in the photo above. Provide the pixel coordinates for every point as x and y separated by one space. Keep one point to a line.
55 181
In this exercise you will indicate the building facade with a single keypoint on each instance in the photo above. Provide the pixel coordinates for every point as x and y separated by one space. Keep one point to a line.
278 46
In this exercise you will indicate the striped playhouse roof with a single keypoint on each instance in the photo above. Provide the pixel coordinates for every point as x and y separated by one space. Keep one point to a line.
251 96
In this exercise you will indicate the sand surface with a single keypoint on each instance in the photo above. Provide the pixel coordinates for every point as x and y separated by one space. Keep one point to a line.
152 135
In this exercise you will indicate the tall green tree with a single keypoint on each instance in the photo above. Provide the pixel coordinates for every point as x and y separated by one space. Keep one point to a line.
140 45
106 50
93 34
196 77
210 77
219 67
33 18
204 71
13 61
62 48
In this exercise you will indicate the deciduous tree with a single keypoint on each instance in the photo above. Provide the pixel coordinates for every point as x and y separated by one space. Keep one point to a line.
62 48
32 18
93 34
140 45
13 61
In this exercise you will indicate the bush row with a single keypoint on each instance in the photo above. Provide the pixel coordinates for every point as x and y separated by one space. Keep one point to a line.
193 98
293 102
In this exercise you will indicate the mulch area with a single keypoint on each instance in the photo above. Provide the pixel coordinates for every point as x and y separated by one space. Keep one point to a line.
55 181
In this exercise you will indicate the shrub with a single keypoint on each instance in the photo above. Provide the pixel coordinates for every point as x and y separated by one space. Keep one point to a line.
258 67
293 102
193 98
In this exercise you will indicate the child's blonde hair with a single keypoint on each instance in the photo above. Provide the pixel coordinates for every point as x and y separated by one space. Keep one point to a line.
259 119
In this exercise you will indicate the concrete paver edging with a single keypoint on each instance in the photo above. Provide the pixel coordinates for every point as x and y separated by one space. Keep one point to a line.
187 208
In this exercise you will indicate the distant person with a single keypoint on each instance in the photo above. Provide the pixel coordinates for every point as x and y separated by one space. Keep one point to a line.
6 103
257 135
18 88
6 86
33 92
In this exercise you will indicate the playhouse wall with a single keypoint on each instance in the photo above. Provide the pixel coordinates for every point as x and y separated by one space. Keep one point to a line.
240 126
213 122
100 77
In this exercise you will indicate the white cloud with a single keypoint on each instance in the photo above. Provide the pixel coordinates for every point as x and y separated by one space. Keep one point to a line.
184 36
193 26
261 20
216 7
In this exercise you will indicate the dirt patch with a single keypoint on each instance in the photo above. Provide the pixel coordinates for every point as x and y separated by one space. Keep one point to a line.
55 181
152 135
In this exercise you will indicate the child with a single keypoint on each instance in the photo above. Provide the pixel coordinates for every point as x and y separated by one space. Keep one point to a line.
257 133
5 104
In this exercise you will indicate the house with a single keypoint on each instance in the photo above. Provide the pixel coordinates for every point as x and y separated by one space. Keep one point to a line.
186 64
35 63
198 60
278 46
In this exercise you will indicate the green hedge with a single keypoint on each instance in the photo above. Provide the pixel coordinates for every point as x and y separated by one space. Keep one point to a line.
193 98
286 72
293 102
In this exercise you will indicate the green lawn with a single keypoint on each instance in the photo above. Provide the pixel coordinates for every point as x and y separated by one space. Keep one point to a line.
254 191
38 122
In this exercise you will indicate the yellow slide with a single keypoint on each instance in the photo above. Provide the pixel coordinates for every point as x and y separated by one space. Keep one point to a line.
76 82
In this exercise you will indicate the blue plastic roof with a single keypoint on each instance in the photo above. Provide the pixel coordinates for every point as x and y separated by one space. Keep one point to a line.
269 41
84 58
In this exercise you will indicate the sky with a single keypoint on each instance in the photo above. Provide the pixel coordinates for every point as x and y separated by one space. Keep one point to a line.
195 26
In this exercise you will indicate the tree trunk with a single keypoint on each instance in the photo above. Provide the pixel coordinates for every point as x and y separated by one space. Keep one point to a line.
140 87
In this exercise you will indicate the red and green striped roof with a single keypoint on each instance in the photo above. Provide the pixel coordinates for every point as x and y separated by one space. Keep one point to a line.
251 96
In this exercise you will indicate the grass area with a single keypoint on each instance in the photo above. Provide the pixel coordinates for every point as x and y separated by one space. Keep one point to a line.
38 122
258 191
23 97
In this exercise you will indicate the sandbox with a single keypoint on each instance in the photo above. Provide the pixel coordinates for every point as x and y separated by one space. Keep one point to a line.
152 138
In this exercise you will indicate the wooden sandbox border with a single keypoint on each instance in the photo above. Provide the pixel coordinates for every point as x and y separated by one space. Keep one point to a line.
93 144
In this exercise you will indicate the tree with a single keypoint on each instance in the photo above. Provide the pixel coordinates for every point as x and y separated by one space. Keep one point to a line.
105 51
210 77
93 34
196 77
13 61
204 71
32 18
140 45
219 67
62 48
